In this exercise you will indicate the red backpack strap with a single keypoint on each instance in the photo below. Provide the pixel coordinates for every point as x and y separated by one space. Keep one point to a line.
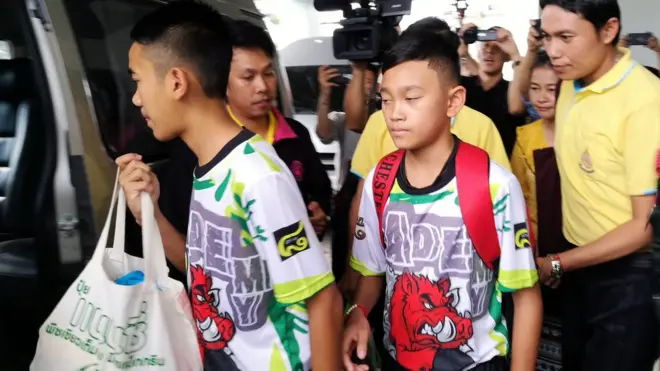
472 181
382 183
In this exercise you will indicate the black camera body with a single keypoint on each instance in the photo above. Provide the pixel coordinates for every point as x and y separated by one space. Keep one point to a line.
472 35
366 31
641 39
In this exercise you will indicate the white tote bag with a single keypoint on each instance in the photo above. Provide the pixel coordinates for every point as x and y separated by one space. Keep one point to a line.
101 325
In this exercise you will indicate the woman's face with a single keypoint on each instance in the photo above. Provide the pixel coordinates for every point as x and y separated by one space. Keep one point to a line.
543 91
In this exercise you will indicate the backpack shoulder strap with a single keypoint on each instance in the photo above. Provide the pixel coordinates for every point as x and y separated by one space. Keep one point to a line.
382 183
472 182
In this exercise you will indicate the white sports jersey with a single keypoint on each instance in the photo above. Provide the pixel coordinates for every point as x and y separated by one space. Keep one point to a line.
253 259
443 305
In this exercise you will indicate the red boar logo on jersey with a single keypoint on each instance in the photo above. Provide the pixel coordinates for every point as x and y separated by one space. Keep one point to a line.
214 329
424 319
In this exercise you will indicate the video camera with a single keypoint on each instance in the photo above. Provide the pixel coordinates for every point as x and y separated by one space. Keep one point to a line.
366 31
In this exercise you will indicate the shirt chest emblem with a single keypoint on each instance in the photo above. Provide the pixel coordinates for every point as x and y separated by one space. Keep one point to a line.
586 164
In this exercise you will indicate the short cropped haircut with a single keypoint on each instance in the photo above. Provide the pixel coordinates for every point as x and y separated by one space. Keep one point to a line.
597 12
427 24
190 33
429 41
246 35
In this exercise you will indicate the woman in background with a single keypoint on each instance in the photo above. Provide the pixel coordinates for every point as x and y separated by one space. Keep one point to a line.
538 135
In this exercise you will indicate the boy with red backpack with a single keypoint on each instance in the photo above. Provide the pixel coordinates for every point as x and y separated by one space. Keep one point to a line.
447 228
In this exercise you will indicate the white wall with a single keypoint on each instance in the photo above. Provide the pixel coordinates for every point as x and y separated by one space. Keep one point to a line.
641 16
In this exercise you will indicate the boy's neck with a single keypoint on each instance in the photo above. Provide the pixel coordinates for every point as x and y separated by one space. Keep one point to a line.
211 129
423 165
258 125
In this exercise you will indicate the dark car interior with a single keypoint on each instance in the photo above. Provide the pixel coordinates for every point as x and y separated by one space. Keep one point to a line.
27 162
32 277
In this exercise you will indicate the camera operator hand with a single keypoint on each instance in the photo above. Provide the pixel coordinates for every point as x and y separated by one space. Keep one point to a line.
653 44
462 48
506 43
533 42
324 76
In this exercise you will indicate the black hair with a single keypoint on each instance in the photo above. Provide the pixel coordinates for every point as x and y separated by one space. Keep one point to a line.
431 40
653 70
427 24
597 12
541 60
193 33
246 35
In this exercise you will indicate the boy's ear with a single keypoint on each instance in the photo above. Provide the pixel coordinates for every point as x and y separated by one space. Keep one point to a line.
456 100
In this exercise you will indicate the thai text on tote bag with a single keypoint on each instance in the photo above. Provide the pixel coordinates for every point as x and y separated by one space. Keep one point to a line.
101 325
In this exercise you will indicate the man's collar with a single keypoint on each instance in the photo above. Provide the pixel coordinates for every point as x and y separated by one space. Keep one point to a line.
278 127
611 78
282 129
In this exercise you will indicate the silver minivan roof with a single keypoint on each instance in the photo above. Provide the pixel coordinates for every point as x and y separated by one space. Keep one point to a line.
312 51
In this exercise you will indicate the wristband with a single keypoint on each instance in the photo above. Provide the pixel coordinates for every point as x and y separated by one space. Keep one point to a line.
352 308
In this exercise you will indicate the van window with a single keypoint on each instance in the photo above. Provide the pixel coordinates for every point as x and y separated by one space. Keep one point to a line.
102 31
303 81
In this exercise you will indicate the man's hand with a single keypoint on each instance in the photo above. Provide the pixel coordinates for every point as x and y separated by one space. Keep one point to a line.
325 74
356 336
534 42
136 177
462 48
319 218
623 41
545 272
506 43
653 44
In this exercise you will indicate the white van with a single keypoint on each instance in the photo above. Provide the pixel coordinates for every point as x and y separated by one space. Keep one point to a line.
65 115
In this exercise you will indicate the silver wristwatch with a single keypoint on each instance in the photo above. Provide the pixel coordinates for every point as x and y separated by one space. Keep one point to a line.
557 270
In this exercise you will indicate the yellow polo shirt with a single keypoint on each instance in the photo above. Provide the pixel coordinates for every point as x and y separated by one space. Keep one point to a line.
469 126
607 137
272 125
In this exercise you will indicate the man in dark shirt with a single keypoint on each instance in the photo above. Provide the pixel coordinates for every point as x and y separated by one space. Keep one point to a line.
487 90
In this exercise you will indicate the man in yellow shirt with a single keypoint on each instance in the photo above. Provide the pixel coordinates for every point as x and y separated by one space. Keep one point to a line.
607 137
469 125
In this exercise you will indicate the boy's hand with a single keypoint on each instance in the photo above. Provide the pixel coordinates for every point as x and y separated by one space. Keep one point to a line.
356 336
136 177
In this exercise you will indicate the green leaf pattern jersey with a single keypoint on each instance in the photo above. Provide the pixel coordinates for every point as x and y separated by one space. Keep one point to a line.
253 259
